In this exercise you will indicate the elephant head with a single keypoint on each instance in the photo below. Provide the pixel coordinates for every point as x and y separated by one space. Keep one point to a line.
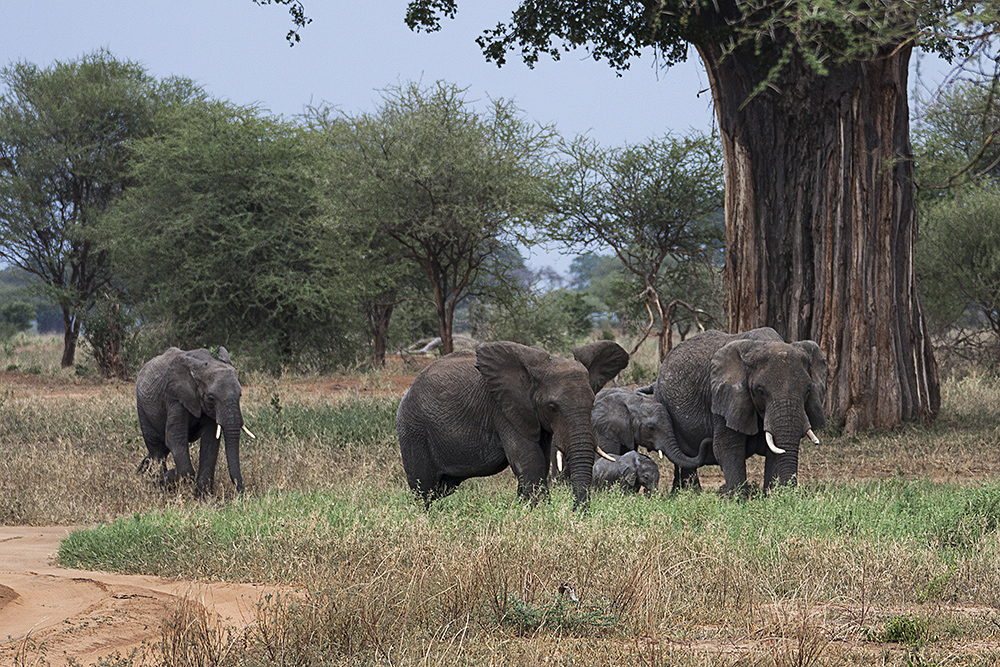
774 387
653 429
548 399
209 387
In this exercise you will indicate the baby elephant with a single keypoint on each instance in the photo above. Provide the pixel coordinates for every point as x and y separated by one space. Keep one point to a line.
631 472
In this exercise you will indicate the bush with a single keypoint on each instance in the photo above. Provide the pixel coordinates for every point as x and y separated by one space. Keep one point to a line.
15 317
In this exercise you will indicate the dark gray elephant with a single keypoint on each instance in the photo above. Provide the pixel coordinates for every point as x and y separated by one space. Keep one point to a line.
625 420
473 413
182 396
630 472
750 393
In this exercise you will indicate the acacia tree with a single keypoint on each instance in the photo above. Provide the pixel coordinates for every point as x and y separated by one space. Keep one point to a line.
448 185
64 151
650 203
223 238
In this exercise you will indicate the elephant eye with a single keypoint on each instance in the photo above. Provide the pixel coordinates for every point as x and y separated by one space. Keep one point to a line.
553 406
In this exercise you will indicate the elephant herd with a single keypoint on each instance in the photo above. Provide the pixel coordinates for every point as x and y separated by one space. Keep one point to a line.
718 399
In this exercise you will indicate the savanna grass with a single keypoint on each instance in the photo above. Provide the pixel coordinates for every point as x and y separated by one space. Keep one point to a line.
883 526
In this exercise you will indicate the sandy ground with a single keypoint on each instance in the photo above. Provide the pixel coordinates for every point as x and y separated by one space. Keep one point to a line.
58 614
51 615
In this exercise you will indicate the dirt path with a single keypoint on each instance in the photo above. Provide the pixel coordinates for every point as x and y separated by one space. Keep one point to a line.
50 615
57 614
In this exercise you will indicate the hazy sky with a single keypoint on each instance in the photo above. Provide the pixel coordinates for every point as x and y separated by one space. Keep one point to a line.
237 51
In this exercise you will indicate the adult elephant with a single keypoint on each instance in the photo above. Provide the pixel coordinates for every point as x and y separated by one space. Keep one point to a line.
750 393
182 396
473 413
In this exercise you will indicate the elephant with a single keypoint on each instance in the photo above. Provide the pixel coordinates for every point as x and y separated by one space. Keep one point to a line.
473 413
181 396
742 394
626 419
631 472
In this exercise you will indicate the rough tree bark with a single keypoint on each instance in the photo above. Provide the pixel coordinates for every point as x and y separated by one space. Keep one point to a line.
821 227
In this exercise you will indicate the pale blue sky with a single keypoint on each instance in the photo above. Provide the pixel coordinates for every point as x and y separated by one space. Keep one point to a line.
352 49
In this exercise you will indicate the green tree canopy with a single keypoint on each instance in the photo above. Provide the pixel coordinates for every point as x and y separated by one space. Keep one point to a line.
64 150
447 184
959 265
222 238
651 203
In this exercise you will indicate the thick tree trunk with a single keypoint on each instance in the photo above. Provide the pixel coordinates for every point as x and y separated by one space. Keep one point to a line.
820 227
379 316
71 333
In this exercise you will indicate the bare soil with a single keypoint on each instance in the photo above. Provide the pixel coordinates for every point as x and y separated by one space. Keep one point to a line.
83 615
77 615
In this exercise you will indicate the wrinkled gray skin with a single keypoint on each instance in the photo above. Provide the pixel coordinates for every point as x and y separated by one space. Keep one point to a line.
630 472
181 397
625 420
473 413
732 388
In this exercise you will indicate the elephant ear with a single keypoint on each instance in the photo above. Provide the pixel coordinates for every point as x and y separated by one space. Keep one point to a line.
603 359
507 369
730 394
181 384
818 370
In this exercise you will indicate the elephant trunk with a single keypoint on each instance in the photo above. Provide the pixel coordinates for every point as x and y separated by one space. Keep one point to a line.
232 425
784 428
666 442
580 446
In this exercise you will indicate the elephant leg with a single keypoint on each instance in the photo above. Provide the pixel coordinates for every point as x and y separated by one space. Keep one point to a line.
729 447
685 478
177 443
155 444
530 467
208 455
770 472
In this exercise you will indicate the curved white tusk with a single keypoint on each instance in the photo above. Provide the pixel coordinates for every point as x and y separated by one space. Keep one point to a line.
559 460
660 453
247 431
770 443
218 431
812 436
605 455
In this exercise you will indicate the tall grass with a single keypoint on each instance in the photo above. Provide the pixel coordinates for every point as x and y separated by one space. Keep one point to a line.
887 553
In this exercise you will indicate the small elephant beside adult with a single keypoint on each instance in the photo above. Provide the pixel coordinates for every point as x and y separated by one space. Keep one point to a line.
630 472
749 393
626 419
473 413
182 396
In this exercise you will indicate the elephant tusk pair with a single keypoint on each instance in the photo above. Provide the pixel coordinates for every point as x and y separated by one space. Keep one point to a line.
770 443
778 450
218 431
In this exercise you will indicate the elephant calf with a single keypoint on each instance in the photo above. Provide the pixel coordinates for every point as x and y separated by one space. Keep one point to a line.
182 396
626 419
631 472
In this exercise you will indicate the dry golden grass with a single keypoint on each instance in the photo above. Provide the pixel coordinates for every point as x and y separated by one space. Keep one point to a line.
815 577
